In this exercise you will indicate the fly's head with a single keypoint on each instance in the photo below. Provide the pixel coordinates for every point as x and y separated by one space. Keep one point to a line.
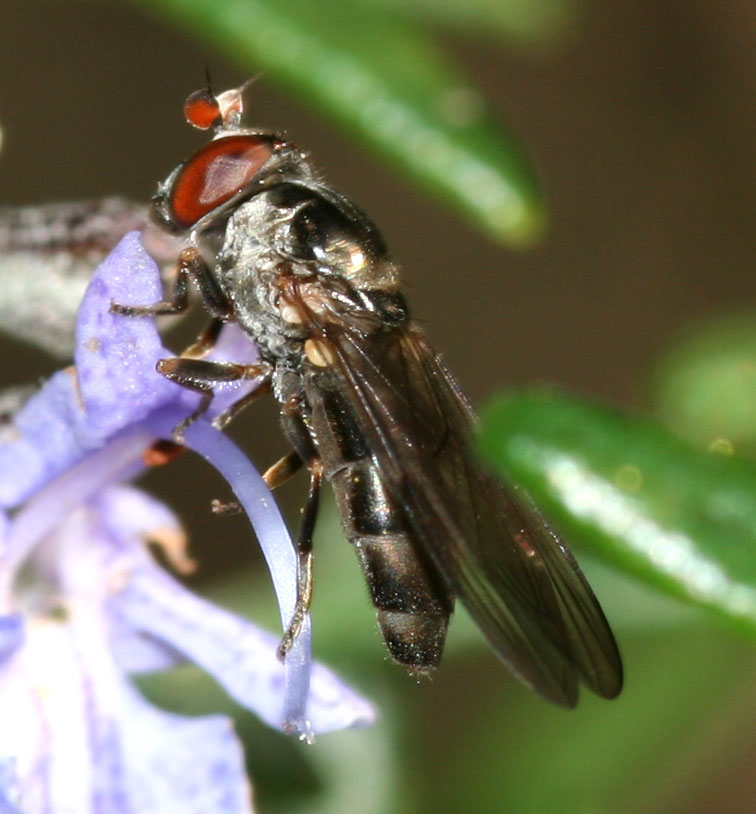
267 225
200 194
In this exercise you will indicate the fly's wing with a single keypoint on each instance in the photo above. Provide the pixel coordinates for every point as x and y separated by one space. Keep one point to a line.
513 573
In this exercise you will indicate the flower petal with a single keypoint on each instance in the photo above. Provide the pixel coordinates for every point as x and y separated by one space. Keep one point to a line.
114 385
50 505
11 635
116 355
180 764
83 739
143 601
133 517
240 656
10 791
50 435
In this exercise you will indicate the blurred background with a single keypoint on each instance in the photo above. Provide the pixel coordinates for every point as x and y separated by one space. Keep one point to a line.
639 118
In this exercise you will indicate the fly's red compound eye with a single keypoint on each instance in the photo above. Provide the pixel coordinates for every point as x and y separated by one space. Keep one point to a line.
202 110
214 174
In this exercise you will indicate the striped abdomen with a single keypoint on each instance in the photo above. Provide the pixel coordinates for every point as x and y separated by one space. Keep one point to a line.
412 601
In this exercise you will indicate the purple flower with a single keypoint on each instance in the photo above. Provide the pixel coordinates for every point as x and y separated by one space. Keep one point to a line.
83 604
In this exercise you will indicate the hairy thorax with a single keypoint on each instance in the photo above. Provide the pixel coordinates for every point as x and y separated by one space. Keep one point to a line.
291 263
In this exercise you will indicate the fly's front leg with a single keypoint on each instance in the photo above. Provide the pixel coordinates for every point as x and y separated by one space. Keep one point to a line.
304 560
191 265
202 376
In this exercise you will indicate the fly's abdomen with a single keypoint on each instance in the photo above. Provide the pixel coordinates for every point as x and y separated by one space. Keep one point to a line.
412 601
413 604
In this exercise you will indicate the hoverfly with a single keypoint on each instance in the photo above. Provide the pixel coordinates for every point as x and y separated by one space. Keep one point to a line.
367 404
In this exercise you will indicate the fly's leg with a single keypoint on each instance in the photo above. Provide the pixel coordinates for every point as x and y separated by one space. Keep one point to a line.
304 560
201 376
189 370
192 265
224 418
274 477
205 342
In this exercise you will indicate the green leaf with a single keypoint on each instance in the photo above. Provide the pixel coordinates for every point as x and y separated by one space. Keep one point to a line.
527 22
637 496
686 711
384 79
704 386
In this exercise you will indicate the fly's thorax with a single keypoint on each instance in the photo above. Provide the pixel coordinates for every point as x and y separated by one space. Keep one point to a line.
246 268
298 253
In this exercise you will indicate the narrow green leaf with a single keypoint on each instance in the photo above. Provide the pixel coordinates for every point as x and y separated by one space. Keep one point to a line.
380 76
634 494
526 22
